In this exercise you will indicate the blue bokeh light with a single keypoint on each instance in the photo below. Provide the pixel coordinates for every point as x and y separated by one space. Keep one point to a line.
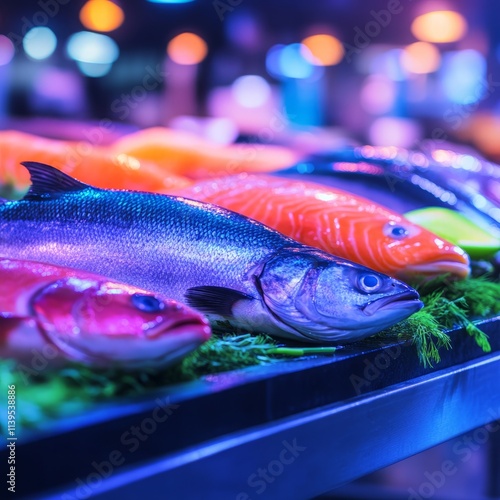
88 47
39 43
293 64
463 76
94 70
273 60
288 61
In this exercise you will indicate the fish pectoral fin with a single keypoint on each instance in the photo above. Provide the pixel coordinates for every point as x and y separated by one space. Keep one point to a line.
49 182
214 299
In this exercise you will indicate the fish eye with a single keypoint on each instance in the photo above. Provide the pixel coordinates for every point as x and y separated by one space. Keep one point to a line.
370 283
396 231
147 303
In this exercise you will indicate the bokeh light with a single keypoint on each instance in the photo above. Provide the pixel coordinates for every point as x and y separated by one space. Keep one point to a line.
94 70
483 130
88 47
101 15
293 64
273 60
289 61
378 94
218 130
323 50
420 58
221 131
463 76
58 89
39 42
187 49
6 50
383 60
251 91
393 131
441 26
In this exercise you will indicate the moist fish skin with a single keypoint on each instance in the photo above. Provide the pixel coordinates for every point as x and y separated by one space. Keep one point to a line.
139 237
185 249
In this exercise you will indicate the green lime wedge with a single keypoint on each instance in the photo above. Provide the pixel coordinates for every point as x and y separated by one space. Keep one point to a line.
457 229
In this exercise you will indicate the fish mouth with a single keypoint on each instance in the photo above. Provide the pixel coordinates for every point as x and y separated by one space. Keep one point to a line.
456 268
404 300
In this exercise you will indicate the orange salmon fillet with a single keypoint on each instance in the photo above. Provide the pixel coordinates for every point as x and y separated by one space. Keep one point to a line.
186 154
86 162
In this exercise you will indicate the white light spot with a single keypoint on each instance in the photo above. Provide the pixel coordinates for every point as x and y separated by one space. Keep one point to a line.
251 91
95 48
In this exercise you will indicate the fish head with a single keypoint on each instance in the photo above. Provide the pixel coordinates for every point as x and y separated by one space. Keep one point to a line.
112 324
322 298
409 251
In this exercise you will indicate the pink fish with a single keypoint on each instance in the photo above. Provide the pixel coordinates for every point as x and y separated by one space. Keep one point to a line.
91 319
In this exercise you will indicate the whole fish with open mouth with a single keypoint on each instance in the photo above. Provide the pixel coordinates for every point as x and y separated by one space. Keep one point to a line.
91 319
221 263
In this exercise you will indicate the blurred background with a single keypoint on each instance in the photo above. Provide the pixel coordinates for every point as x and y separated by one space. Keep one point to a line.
387 72
312 74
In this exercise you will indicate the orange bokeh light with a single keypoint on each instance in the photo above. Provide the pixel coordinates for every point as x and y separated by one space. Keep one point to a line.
187 48
101 15
441 26
484 130
420 58
324 50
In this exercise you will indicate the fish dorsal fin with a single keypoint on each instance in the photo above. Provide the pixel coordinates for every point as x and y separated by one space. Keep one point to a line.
48 182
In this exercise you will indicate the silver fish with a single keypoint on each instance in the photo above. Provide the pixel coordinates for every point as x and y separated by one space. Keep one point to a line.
223 264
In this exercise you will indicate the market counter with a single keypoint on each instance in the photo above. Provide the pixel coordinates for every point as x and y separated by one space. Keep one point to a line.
291 429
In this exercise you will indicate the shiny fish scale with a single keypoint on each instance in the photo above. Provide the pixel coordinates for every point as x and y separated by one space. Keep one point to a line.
160 243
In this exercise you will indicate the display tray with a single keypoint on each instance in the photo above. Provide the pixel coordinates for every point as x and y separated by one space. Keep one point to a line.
245 402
